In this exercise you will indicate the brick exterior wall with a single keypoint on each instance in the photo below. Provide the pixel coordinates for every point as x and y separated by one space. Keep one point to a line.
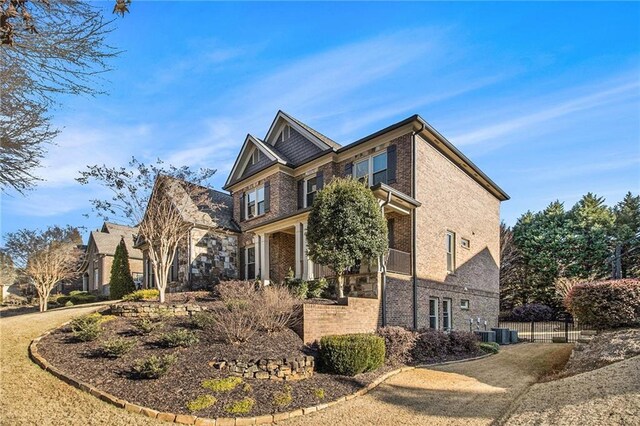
452 201
282 255
356 316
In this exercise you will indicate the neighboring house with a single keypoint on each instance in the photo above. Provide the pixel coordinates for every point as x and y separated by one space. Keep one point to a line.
96 268
443 216
208 254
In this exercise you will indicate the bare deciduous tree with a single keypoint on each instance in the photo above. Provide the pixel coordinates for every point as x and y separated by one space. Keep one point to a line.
173 209
7 269
47 257
49 48
131 187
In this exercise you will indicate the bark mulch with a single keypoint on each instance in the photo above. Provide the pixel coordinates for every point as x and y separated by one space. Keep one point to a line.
183 382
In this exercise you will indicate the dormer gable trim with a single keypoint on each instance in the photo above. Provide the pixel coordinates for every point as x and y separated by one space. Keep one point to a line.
251 143
276 128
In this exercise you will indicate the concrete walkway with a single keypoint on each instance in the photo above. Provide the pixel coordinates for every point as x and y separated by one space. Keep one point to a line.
475 392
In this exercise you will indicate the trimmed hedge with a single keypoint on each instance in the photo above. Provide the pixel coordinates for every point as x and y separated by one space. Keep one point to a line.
606 304
436 345
352 354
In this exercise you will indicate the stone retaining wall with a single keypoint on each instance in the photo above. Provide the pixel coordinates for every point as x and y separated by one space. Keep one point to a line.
293 368
151 310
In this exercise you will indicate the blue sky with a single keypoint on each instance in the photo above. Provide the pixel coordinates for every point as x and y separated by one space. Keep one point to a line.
544 97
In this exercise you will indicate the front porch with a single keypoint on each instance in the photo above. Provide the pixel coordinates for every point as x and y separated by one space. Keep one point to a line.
279 249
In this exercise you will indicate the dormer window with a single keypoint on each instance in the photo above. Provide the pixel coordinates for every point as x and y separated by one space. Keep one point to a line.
255 157
284 134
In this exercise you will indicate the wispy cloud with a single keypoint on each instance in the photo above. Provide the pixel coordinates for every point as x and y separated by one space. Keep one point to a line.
564 105
593 167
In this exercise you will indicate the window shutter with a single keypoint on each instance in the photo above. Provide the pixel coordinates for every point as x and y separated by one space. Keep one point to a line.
348 169
392 163
319 180
300 194
242 205
267 196
241 265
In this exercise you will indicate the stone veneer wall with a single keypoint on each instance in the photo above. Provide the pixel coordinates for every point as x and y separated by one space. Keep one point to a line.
290 368
358 315
150 310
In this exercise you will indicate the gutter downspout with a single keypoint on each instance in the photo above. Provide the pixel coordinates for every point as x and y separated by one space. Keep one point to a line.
413 227
384 270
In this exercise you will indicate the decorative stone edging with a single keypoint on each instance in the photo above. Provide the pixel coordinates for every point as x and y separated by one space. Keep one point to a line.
290 368
188 419
151 310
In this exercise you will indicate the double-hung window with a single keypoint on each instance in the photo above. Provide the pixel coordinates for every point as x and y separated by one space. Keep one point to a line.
433 313
310 188
255 202
372 170
450 245
250 271
446 314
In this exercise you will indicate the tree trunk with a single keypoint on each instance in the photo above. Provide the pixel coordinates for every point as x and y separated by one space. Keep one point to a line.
340 282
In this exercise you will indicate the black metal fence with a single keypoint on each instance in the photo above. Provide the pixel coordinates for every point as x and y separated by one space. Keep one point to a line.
546 331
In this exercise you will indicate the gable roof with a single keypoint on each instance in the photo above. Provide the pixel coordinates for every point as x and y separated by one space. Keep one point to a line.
106 243
421 126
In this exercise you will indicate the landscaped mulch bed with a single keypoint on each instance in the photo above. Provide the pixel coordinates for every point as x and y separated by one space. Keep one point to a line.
182 383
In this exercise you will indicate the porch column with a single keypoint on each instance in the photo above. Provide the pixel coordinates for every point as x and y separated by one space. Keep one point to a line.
298 249
307 264
264 257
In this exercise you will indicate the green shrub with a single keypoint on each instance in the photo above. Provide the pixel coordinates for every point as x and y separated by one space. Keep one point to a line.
318 393
222 385
87 328
62 300
80 299
284 398
298 287
121 281
352 354
606 304
317 288
153 366
202 321
240 407
77 292
115 348
489 347
181 337
136 296
201 402
146 325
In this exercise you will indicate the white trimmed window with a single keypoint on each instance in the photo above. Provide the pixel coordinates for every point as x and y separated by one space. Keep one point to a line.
254 204
465 243
250 263
464 304
450 245
310 190
446 314
372 170
433 313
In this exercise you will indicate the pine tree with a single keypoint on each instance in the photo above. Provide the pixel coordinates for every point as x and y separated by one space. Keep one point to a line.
627 230
121 280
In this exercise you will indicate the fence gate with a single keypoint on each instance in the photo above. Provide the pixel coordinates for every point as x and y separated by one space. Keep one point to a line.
545 331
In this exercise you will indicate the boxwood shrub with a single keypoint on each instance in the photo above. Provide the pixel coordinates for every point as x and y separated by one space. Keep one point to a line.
136 296
606 304
352 354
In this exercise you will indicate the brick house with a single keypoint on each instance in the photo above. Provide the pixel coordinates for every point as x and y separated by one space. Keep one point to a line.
101 247
443 216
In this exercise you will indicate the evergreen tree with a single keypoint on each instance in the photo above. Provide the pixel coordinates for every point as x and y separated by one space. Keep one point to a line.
627 228
591 229
345 227
121 282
